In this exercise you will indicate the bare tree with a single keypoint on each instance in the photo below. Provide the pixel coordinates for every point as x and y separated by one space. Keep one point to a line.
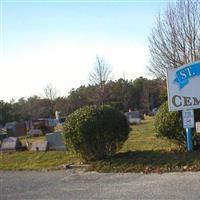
175 40
100 75
101 72
50 94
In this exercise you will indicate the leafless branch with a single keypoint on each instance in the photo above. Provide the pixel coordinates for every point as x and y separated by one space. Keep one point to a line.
175 40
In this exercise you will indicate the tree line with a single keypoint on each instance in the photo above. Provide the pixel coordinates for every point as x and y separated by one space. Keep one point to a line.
139 94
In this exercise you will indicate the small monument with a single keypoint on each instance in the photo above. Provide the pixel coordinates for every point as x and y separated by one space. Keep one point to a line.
39 146
35 132
55 141
15 129
11 144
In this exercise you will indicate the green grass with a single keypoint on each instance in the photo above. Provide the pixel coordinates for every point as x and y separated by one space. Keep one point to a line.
37 160
142 138
142 152
29 160
149 161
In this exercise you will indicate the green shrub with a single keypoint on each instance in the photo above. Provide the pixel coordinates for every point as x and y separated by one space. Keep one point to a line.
96 131
170 125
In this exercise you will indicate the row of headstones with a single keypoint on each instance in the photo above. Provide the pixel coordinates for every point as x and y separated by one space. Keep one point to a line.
54 141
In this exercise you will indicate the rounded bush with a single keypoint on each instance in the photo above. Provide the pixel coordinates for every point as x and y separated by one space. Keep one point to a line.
95 131
170 125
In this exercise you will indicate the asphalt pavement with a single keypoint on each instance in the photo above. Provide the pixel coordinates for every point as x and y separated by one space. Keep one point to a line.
79 185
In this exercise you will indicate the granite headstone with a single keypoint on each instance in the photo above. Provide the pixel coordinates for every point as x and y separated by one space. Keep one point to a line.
55 141
35 132
11 144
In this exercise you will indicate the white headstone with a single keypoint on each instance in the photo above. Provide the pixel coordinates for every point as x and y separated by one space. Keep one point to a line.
39 146
10 144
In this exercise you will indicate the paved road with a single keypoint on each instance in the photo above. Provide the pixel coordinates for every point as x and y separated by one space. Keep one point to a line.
73 184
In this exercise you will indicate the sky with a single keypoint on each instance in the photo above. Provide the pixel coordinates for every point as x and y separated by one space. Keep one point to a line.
56 42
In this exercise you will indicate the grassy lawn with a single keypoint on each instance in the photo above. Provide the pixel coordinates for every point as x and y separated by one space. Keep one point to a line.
142 138
142 152
37 160
28 160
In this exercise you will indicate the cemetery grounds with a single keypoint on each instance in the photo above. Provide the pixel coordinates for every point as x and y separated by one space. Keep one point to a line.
142 152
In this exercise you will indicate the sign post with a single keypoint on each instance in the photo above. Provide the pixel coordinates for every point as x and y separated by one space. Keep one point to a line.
184 94
189 139
188 124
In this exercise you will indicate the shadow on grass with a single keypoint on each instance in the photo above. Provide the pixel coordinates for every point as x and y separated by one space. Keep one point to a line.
157 157
150 161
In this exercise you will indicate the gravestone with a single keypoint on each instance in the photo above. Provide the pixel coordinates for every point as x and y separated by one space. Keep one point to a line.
35 132
39 146
11 144
133 117
15 129
3 134
55 141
